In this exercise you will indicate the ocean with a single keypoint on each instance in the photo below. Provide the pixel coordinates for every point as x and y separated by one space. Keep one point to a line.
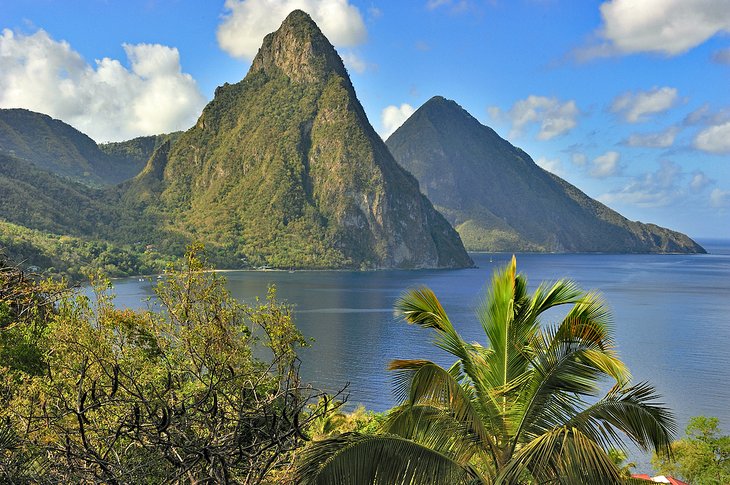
671 317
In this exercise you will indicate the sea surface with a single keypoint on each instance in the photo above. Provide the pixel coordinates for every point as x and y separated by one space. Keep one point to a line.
671 315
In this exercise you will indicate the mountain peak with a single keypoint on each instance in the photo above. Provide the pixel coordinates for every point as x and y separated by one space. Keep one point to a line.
500 200
440 106
299 50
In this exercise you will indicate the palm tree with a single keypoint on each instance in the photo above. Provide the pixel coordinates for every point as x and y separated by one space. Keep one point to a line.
527 408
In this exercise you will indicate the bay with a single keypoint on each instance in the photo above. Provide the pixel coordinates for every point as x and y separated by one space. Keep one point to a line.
671 317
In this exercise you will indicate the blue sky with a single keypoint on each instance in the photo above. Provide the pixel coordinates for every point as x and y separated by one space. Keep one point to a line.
626 99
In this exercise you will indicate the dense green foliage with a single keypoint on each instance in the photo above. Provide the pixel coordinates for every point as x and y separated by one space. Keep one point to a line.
133 154
67 228
500 200
75 258
175 394
59 148
526 408
702 457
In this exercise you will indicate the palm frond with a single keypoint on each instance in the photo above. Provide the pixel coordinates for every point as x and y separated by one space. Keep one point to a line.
362 459
563 455
502 316
634 412
421 307
421 382
435 428
562 292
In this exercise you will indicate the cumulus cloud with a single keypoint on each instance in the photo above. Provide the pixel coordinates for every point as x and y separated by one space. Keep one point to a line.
553 165
653 189
555 117
636 107
668 27
699 181
606 165
353 62
393 116
720 198
248 21
662 139
107 101
714 139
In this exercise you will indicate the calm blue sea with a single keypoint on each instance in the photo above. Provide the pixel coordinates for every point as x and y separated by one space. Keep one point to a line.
671 316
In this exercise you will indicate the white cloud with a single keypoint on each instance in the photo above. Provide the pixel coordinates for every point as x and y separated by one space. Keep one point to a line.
668 27
662 139
248 21
555 118
720 198
579 158
635 107
393 116
374 12
553 165
456 6
714 139
700 115
699 181
606 165
107 101
353 62
705 116
653 189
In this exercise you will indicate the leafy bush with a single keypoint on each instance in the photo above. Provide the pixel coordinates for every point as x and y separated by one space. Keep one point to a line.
175 393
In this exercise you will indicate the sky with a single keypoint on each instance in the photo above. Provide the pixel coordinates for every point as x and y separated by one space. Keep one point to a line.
629 100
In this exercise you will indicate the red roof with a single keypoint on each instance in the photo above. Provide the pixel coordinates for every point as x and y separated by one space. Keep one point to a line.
672 480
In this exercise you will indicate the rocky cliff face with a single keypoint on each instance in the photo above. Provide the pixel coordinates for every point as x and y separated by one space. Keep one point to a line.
500 200
284 169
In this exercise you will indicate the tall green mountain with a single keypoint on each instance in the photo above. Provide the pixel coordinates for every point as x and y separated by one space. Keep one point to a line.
498 199
284 169
57 147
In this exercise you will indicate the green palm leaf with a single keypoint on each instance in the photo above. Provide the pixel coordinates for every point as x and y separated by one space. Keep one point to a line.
392 460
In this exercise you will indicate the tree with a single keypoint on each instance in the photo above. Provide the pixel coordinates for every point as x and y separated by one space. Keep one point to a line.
26 303
175 394
702 457
522 409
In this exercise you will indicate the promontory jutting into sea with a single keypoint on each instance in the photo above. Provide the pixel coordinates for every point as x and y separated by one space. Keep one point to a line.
497 323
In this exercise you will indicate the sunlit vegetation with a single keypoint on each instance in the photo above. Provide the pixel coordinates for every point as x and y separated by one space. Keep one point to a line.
701 457
176 394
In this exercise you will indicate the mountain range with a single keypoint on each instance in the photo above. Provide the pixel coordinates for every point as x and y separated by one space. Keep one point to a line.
283 169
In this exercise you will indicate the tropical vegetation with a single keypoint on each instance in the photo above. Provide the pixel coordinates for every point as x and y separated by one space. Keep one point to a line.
702 456
528 407
197 389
